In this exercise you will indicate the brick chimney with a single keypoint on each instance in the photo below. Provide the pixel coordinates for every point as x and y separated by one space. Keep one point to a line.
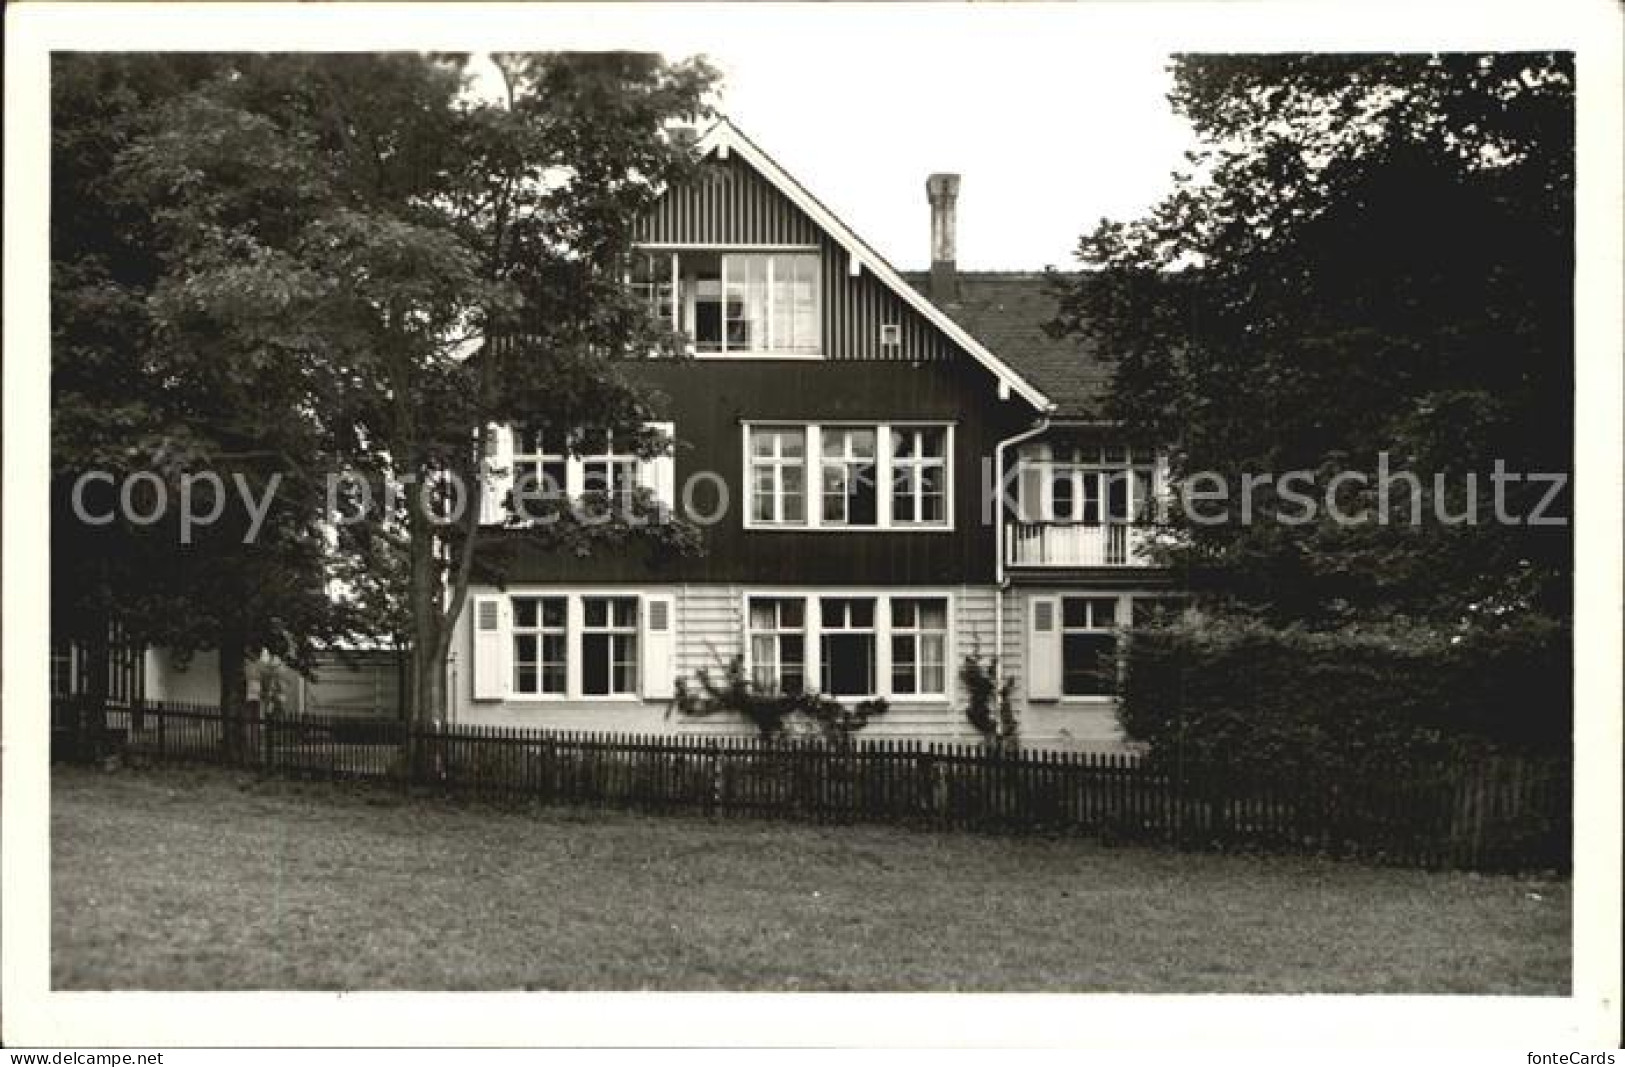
943 189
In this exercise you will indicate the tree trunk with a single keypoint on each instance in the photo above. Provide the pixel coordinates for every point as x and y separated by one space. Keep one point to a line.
428 709
233 692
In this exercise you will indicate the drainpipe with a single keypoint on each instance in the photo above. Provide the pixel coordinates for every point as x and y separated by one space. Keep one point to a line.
1000 582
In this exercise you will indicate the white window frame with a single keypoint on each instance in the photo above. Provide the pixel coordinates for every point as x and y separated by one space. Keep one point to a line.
540 632
778 632
846 461
877 683
916 466
656 473
1090 467
613 630
776 462
812 645
684 296
918 632
620 501
537 497
814 477
575 596
1112 626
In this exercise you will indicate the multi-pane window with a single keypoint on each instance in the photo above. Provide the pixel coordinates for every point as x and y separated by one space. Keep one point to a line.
919 474
1088 646
890 476
847 476
778 644
919 646
847 645
539 463
653 277
609 645
540 644
614 474
62 679
778 475
1087 485
744 302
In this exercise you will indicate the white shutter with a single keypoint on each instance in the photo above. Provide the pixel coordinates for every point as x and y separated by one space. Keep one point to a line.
489 626
1043 648
498 474
659 475
659 664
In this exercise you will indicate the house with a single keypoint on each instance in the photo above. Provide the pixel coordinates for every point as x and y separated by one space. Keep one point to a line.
358 680
851 426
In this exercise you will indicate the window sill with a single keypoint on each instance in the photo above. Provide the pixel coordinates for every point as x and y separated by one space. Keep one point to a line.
830 528
794 356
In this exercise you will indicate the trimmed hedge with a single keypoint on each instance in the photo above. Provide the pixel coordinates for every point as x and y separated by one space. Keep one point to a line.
1250 698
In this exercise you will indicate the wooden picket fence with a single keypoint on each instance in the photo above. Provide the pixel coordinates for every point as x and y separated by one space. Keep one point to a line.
1500 813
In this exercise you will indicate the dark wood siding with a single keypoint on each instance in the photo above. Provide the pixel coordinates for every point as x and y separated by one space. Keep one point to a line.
709 400
729 204
732 206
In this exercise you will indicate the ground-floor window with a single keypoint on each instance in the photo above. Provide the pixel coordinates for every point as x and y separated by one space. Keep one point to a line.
778 644
919 645
62 672
849 645
540 644
1088 646
609 645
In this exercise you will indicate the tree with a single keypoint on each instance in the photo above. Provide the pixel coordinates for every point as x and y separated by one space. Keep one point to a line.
418 262
153 391
1369 255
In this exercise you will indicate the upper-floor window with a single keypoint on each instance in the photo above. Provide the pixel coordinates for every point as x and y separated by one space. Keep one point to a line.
889 476
540 462
612 473
1090 485
778 475
919 482
735 303
533 473
847 475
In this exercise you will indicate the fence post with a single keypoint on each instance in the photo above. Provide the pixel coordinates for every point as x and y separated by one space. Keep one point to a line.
713 760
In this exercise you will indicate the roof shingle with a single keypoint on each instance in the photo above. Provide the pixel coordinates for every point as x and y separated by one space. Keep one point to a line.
1006 311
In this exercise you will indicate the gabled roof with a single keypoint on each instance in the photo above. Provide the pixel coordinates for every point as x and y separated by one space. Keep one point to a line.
1006 311
724 137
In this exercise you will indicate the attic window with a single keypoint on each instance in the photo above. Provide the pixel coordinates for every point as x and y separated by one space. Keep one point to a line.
891 335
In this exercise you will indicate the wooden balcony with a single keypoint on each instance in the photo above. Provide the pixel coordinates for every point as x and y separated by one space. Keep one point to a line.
1075 544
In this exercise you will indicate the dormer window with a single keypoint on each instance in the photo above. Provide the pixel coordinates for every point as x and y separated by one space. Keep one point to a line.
736 303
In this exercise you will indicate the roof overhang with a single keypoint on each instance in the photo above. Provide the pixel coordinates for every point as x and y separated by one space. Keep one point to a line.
725 137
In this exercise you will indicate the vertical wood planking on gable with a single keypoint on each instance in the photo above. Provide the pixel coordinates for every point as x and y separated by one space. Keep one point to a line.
727 204
731 206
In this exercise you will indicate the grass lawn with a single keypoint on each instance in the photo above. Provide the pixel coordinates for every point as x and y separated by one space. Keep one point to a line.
203 880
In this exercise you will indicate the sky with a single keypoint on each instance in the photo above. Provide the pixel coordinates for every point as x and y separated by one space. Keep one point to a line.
1045 147
1050 133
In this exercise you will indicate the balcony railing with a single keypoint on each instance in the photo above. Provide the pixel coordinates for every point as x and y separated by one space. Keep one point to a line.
1075 544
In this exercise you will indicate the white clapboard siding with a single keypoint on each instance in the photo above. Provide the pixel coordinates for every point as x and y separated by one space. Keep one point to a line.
490 646
710 629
